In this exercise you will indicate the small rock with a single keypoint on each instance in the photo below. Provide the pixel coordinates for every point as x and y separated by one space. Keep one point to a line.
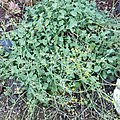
116 96
6 45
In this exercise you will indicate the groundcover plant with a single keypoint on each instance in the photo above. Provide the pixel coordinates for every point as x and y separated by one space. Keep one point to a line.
62 46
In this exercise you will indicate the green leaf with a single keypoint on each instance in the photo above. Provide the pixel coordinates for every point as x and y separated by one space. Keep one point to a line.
104 75
97 68
73 13
73 23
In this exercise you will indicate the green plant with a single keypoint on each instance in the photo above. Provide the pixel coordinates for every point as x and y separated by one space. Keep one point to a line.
61 46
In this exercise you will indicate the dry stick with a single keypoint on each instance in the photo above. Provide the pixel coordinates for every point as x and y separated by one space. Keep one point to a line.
10 112
56 107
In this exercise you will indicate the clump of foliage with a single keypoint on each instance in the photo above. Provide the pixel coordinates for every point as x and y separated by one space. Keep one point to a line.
60 46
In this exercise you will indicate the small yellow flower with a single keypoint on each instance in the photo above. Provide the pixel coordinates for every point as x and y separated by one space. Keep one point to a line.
76 114
76 51
73 89
67 72
107 99
86 73
113 101
69 111
72 49
72 99
100 96
27 103
78 65
17 89
81 101
63 105
72 59
76 100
